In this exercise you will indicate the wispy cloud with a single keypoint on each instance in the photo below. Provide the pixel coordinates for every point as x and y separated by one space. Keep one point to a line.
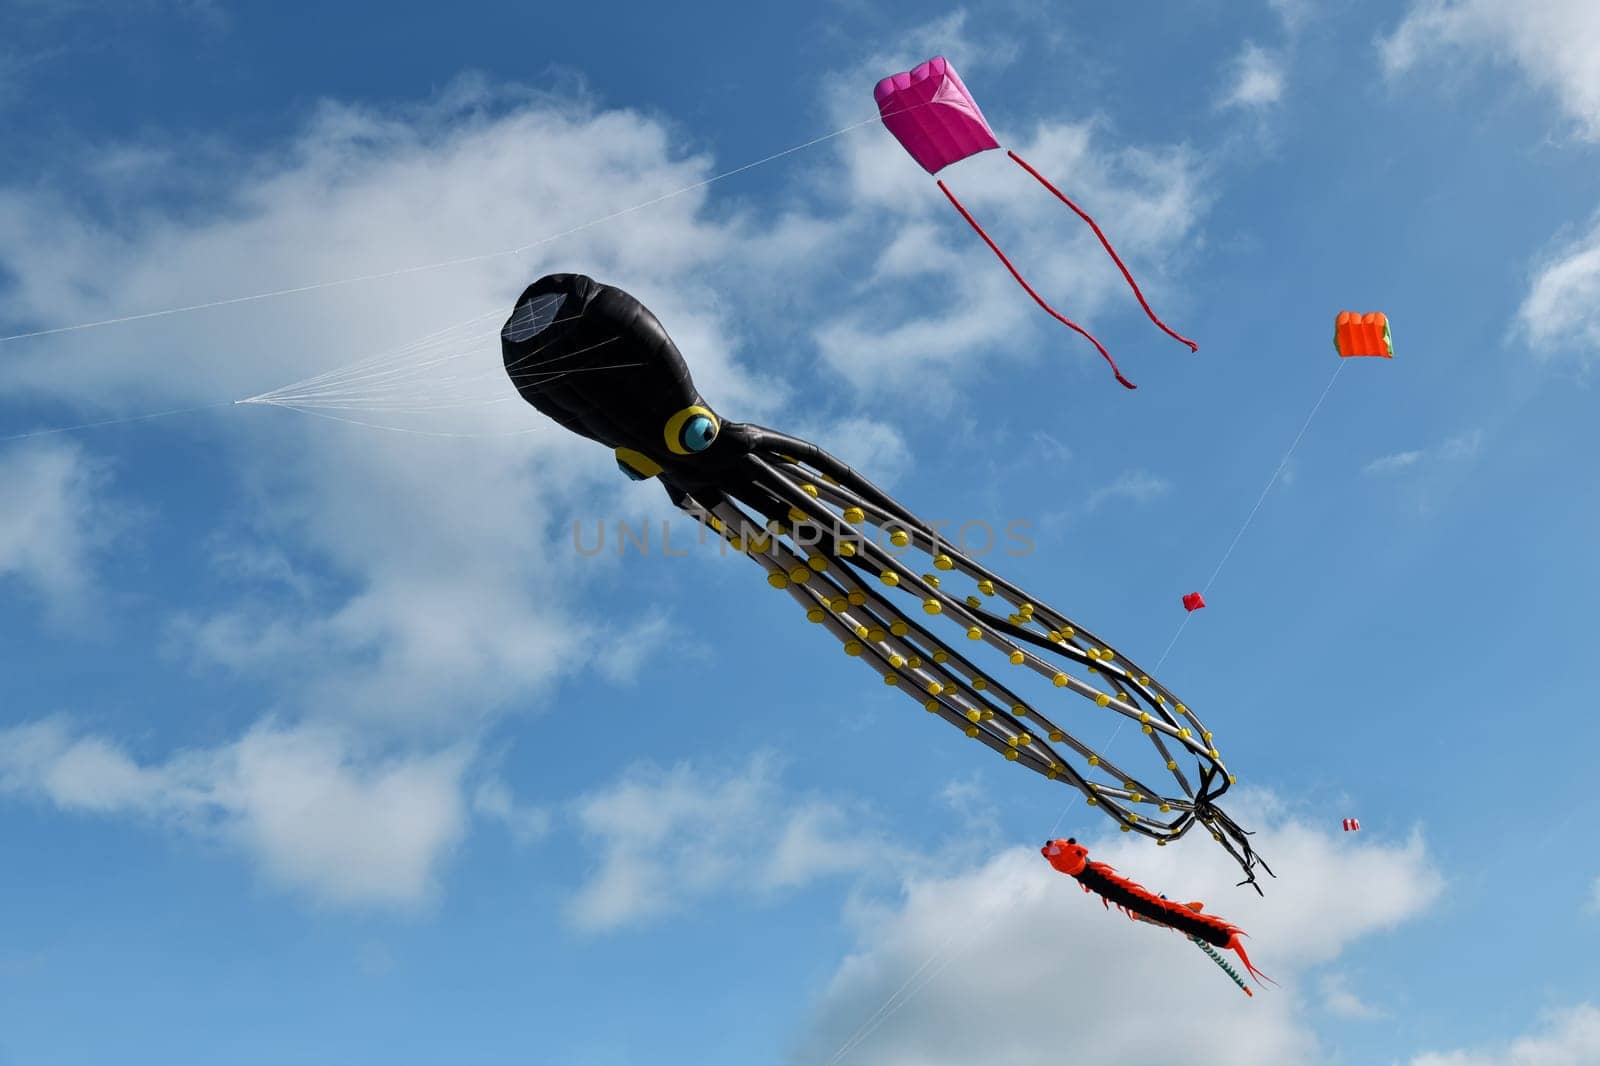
1561 313
1051 447
1293 13
1134 486
1461 447
54 523
975 810
493 800
1340 1001
1552 42
1389 464
1256 79
872 444
1569 1037
671 836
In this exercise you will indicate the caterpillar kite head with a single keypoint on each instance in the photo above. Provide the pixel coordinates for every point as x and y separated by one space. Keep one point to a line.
1068 856
597 361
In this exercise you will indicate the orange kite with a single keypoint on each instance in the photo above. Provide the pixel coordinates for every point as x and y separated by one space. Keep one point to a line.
1357 334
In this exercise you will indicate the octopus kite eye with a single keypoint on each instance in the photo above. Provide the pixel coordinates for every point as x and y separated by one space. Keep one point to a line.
691 430
698 433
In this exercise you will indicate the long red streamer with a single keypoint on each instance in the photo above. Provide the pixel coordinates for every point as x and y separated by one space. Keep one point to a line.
1057 315
1042 180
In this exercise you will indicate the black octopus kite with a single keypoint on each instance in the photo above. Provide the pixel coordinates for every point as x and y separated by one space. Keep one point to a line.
597 361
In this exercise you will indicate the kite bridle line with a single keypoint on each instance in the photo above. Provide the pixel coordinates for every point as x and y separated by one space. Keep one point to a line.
379 383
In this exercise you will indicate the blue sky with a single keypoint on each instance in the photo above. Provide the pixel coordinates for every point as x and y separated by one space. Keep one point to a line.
319 741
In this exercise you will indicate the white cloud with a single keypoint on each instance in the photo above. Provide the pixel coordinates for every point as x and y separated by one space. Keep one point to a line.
315 814
423 596
1135 486
1462 445
1256 79
14 66
1561 313
1458 448
53 522
1389 464
1293 13
493 799
346 831
975 827
261 564
633 645
668 837
1568 1038
1051 447
866 443
1553 42
1012 940
1341 1002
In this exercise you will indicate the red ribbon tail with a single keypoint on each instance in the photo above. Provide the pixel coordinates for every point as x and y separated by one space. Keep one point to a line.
1105 243
1057 315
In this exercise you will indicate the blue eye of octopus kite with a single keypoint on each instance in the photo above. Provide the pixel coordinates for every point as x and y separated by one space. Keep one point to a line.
969 647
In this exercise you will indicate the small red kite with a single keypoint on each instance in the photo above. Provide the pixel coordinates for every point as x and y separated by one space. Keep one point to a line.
1352 824
1193 601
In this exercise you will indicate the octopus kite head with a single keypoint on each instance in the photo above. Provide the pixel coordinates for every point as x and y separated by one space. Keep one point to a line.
597 361
1068 856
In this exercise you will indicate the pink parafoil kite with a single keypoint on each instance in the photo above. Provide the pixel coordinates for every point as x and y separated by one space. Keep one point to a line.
934 117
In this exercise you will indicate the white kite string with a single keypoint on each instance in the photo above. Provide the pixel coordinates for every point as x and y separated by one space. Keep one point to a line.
443 263
1251 517
116 421
1271 481
887 1008
944 957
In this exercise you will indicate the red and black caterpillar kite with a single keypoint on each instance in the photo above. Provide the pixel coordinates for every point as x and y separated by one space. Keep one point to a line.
1072 858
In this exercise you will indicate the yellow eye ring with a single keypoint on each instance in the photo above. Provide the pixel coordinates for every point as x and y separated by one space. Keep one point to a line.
690 427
